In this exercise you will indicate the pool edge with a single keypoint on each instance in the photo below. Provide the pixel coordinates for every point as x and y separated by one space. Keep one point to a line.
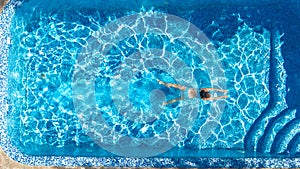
146 162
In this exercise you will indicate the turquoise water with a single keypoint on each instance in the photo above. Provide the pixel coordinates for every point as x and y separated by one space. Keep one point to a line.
47 48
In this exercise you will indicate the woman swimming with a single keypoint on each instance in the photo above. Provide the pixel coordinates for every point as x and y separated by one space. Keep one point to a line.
193 93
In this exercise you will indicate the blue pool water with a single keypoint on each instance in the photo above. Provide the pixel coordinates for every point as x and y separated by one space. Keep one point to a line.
81 80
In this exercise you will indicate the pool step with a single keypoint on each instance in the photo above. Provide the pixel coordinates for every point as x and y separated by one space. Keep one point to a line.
293 146
285 136
265 126
275 125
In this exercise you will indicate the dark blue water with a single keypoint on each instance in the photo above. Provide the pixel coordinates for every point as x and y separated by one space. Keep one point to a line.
257 52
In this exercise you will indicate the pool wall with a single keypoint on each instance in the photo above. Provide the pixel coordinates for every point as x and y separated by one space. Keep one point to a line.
237 162
291 53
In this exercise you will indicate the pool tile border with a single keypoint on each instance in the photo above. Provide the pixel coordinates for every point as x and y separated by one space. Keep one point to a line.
15 154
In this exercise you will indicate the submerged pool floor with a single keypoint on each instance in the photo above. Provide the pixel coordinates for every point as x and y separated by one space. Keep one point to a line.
47 93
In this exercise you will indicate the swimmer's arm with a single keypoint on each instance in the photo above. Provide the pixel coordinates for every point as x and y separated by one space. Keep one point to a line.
219 90
216 98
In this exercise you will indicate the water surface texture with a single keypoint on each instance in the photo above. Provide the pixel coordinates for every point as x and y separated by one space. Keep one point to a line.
84 81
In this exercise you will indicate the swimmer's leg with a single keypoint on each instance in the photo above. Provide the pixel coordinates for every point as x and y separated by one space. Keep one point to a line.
171 85
172 101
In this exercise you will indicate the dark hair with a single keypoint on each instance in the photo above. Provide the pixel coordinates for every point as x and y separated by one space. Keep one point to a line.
207 95
204 94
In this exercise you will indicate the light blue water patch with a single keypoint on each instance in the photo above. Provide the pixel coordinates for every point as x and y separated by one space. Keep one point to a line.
248 55
246 60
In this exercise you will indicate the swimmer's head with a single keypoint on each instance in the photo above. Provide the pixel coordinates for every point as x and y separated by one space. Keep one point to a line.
207 95
204 94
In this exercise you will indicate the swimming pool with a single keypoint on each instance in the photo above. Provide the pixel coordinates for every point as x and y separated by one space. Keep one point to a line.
79 83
